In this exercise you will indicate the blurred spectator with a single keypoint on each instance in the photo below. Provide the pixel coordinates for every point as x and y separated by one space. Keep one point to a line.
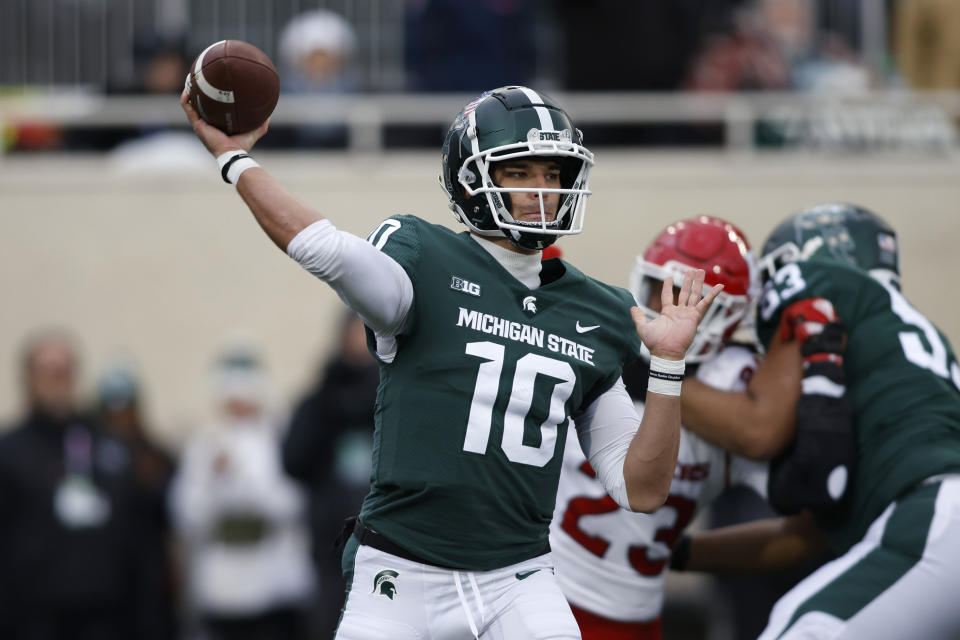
316 50
928 43
119 409
645 45
329 448
747 58
119 406
160 63
241 518
75 544
453 45
775 46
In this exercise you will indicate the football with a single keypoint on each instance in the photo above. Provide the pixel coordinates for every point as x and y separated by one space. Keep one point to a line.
234 86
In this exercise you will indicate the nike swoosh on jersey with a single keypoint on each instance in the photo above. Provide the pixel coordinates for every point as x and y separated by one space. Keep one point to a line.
523 575
582 329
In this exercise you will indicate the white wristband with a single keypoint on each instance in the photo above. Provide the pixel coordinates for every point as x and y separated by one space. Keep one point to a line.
666 376
233 163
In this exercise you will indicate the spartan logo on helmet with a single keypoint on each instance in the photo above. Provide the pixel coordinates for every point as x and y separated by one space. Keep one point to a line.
384 583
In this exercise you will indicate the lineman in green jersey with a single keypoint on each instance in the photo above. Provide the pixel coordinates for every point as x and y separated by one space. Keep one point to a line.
485 355
896 528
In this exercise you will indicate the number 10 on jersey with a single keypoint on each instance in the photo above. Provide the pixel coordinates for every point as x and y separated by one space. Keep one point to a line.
522 398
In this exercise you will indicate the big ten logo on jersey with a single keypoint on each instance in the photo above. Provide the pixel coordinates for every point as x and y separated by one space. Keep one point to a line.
459 284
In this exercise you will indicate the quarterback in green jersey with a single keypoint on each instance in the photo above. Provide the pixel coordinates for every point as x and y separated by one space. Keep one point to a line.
858 404
487 355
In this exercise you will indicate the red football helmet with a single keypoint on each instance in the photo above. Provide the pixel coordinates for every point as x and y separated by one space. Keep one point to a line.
722 251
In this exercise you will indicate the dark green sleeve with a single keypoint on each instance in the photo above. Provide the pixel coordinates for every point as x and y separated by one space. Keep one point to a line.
799 281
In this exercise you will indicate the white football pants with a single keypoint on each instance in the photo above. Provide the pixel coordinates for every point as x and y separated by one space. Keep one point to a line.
901 581
391 598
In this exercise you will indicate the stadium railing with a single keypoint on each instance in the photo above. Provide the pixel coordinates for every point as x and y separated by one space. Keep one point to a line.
885 120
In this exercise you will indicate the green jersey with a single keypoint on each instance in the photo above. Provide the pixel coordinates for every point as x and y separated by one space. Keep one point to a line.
473 408
903 383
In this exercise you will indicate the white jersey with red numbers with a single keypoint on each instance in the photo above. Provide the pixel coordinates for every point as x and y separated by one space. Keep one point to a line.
612 562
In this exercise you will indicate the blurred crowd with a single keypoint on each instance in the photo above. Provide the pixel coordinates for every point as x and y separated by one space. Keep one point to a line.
606 45
106 535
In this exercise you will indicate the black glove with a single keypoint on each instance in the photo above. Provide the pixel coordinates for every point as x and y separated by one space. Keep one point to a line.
817 471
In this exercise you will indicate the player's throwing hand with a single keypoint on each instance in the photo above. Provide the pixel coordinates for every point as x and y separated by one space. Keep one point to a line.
670 334
216 141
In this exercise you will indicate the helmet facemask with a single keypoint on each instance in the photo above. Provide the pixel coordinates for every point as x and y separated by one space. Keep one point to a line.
720 320
785 254
575 164
724 254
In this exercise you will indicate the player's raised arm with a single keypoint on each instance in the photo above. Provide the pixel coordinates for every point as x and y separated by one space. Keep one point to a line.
652 456
757 423
369 281
281 215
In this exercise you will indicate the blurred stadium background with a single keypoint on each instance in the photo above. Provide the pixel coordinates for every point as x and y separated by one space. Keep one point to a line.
115 226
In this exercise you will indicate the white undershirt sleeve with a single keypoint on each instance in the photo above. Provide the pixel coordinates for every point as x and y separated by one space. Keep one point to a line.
606 429
369 281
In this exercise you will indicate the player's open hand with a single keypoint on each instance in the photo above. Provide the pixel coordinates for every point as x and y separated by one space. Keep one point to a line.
670 334
216 141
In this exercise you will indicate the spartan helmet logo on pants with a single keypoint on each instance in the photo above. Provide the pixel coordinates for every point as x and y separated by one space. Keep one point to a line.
383 583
